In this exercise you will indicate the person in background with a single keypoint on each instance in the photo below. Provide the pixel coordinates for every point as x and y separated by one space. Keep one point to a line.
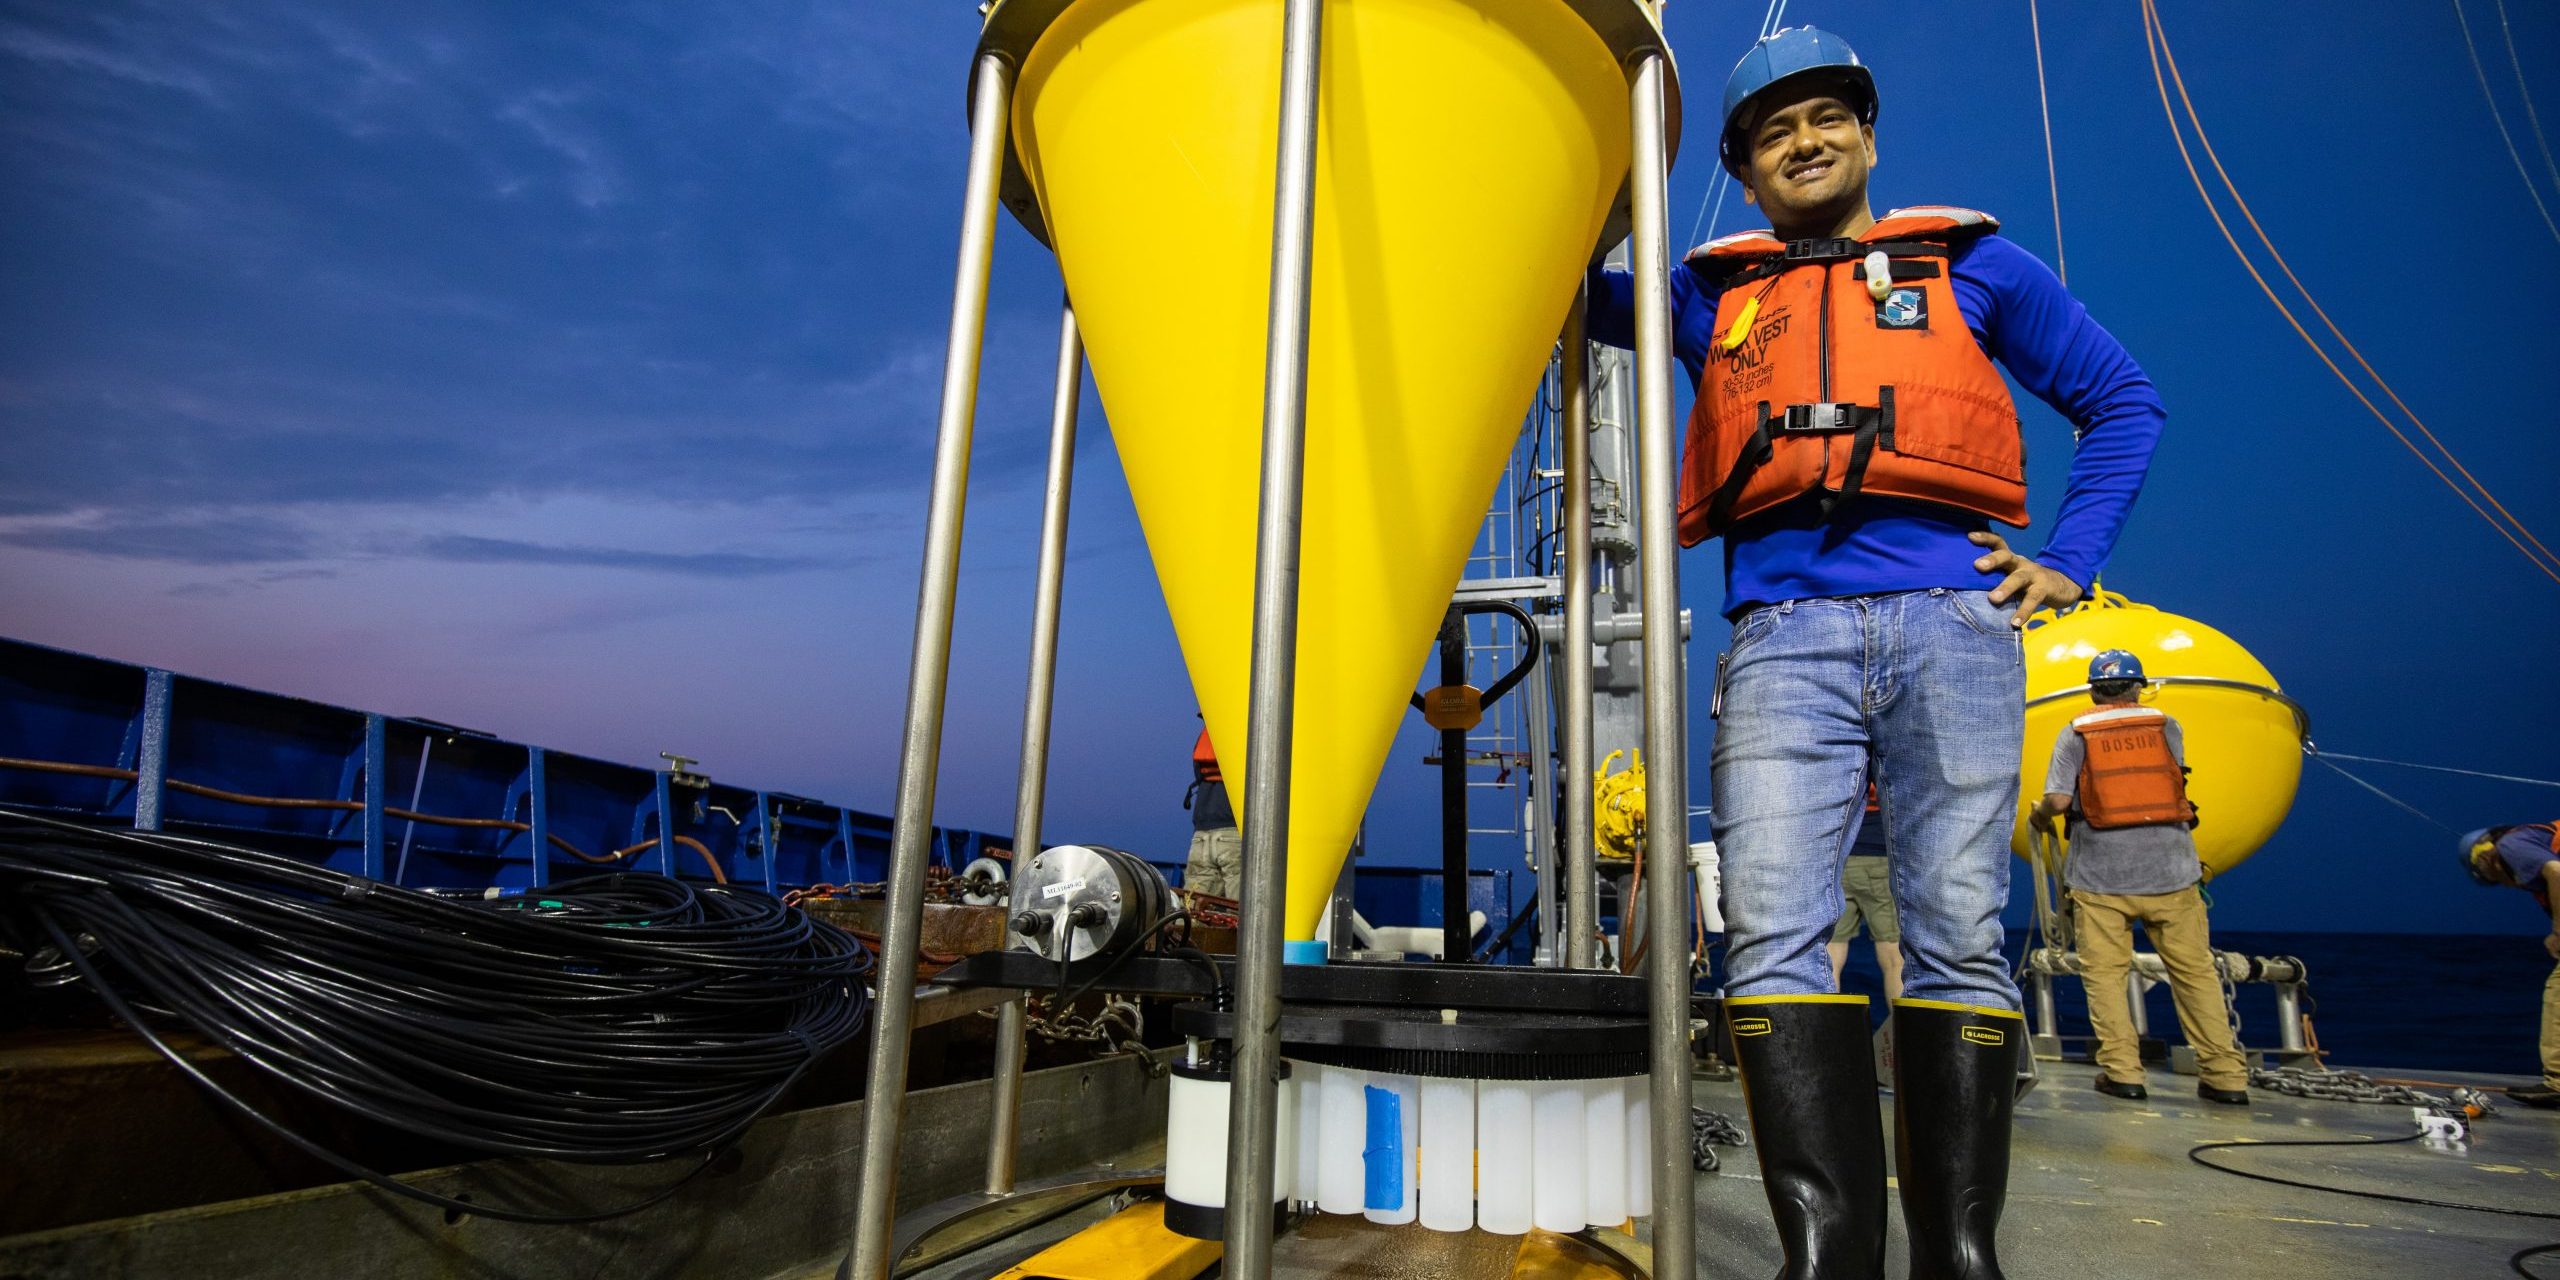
1866 894
1216 864
2527 856
2119 772
1853 443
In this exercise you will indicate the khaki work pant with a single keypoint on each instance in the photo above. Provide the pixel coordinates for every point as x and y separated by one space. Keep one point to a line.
2176 925
1216 864
2551 1030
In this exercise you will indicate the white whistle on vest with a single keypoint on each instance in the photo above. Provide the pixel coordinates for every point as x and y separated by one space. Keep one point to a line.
1879 275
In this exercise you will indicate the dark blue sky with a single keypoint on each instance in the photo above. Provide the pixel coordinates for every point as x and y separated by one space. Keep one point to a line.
568 372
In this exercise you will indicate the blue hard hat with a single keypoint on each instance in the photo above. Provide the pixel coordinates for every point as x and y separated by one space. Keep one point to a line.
1793 52
2114 664
2470 847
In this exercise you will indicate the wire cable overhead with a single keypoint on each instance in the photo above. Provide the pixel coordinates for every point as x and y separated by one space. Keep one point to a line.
1722 182
2490 96
2052 181
2437 456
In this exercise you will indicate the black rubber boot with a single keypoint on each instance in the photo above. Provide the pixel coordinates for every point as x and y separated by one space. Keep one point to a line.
1955 1085
1809 1079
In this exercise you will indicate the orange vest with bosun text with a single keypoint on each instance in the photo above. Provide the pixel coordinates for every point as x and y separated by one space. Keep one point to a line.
1816 384
2128 775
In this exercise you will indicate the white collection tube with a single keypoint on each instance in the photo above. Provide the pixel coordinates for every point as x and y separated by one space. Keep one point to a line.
1560 1116
1504 1120
1284 1133
1340 1185
1448 1157
1395 1124
1639 1147
1306 1082
1605 1175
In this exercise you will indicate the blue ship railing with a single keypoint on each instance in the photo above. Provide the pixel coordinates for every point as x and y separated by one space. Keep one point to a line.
401 799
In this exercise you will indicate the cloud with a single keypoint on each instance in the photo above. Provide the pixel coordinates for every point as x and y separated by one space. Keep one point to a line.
468 549
69 52
594 179
722 274
195 540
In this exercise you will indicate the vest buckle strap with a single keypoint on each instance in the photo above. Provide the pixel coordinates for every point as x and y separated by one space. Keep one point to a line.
1826 417
1825 250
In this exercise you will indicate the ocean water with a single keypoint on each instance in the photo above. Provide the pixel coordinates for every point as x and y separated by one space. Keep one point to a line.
2401 1002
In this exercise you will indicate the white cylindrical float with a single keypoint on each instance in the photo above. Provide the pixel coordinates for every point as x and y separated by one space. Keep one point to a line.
1448 1156
1605 1166
1195 1148
1504 1159
1195 1143
1388 1152
1558 1196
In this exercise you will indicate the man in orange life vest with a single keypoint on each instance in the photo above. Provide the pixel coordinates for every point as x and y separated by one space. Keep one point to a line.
1216 864
2527 856
2120 773
1853 444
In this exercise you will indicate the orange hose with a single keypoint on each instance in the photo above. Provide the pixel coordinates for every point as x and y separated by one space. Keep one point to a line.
719 874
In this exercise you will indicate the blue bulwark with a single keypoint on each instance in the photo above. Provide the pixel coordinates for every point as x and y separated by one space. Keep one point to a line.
103 741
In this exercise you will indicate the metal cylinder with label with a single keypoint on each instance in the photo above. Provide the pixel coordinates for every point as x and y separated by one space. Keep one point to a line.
1080 900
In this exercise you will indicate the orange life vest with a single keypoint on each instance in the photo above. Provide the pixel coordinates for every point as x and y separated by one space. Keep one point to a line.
2128 775
1204 760
1815 384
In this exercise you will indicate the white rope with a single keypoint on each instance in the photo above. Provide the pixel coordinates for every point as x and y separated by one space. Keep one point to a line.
2434 768
2421 814
2061 264
2531 116
2500 117
1777 13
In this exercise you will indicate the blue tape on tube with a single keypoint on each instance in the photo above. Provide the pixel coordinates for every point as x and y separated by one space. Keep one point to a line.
1382 1155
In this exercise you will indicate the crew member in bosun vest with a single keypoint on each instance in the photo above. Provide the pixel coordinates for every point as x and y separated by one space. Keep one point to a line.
1855 447
2119 773
2527 856
1216 864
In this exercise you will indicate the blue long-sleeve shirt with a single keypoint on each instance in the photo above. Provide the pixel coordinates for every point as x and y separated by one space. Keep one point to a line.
2027 321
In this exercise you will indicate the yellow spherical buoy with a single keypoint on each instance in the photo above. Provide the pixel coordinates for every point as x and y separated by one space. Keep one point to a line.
2243 736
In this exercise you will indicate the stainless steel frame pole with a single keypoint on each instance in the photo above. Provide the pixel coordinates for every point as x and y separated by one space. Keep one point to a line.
1270 737
1032 791
1573 654
911 838
1666 769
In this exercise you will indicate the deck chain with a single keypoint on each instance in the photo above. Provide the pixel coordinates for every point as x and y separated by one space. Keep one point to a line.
1118 1025
2329 1085
1709 1130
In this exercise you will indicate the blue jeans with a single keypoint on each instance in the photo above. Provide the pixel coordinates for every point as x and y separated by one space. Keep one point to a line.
1927 688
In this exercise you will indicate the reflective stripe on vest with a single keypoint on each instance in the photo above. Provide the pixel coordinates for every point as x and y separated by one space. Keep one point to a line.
1815 385
2128 775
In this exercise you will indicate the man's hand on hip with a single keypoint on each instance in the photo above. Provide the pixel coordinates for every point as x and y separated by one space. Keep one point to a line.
2032 585
2551 943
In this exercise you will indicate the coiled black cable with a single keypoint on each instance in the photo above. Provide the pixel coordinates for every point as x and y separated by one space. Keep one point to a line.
612 1019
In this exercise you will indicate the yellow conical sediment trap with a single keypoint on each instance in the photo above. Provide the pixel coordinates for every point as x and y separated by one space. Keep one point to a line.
1467 160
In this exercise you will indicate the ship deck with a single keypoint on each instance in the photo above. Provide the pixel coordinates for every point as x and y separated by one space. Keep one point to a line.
2098 1188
